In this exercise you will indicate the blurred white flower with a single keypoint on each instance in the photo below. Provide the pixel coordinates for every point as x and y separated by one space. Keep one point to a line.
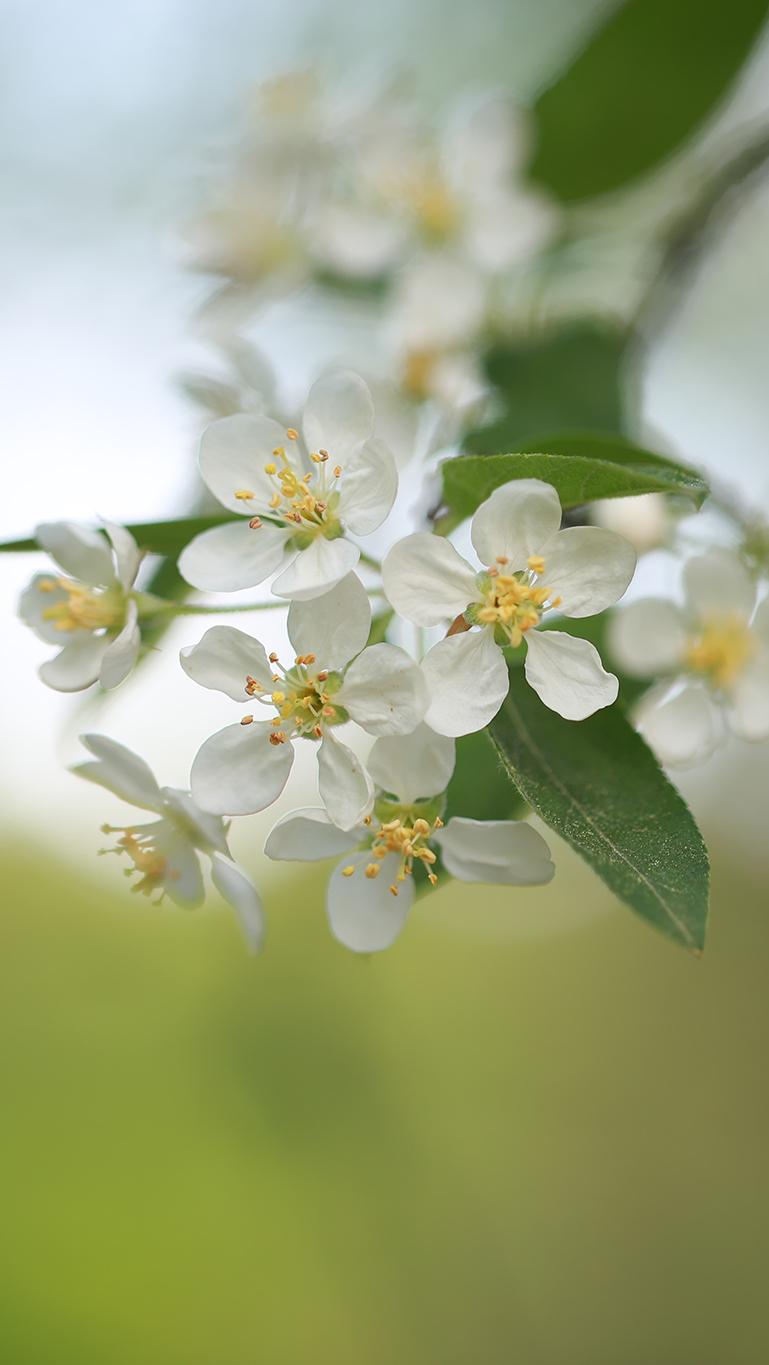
533 567
346 478
245 767
91 609
646 521
715 653
369 897
165 852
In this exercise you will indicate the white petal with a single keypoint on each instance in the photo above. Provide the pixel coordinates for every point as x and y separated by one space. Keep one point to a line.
127 553
77 665
415 766
333 627
760 622
467 681
648 637
384 691
236 887
182 878
120 771
232 556
567 674
238 771
206 831
339 415
317 569
307 836
749 703
508 229
369 486
36 600
122 654
363 913
502 852
515 521
233 453
82 553
439 303
356 242
426 580
345 787
716 583
683 730
588 567
224 659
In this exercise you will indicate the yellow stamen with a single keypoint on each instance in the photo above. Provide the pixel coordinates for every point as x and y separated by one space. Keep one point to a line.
721 651
347 871
373 871
291 434
536 563
246 720
244 494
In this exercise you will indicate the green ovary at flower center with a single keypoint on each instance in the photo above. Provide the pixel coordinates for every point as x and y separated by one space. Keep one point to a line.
513 603
721 650
304 700
84 608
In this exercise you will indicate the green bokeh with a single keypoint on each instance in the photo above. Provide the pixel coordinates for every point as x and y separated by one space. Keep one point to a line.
551 1152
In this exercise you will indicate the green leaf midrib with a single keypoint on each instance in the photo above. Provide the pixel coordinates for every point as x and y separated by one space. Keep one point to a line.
534 749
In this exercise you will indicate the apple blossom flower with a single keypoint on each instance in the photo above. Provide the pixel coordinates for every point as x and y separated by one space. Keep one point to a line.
533 567
713 654
245 767
370 893
254 466
165 852
91 609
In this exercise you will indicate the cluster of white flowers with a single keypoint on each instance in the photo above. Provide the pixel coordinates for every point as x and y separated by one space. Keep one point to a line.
303 502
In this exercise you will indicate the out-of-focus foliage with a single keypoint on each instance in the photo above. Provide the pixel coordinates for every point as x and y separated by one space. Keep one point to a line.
640 87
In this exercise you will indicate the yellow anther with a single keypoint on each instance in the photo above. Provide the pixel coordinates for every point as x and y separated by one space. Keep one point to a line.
277 737
309 658
329 711
367 820
246 720
536 563
373 870
273 658
421 827
291 434
276 720
431 877
272 468
47 585
255 523
337 471
502 559
278 698
394 890
318 733
321 677
316 459
244 494
279 451
347 871
275 501
438 824
427 855
323 453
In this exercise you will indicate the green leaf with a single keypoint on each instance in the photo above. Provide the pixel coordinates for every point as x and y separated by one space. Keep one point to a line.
600 788
566 379
469 479
651 74
156 537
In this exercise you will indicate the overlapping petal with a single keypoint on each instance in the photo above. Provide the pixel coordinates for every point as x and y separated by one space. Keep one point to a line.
205 830
127 553
334 627
82 553
233 556
369 486
345 787
121 655
384 691
648 637
309 835
413 767
567 674
716 584
339 415
426 580
77 665
317 569
121 771
748 710
364 915
233 453
236 887
515 521
682 727
224 658
588 567
466 678
238 771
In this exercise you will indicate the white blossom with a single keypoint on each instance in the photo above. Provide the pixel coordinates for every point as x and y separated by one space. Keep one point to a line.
370 893
530 567
245 767
90 609
712 653
346 479
165 852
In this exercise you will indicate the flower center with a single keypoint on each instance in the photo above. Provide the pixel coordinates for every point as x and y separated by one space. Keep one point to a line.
84 608
721 650
303 702
512 603
306 513
146 859
408 841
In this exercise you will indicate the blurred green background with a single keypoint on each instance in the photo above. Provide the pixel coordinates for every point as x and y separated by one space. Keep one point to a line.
550 1151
